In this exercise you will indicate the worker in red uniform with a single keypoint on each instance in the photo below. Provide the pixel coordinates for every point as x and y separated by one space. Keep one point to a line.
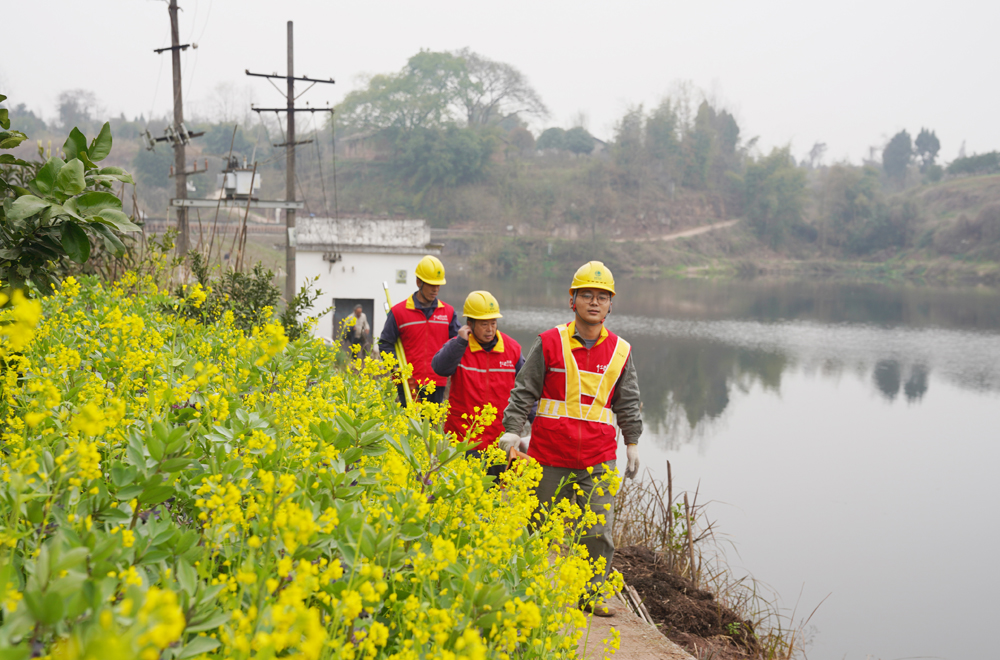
482 363
423 323
583 378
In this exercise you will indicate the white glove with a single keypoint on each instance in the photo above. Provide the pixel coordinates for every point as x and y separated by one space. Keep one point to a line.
508 441
632 468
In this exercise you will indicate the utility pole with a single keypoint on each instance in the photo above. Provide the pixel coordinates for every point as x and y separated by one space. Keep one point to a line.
290 145
290 243
179 156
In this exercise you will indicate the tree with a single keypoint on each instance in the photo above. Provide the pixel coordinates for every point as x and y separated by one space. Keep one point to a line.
419 96
26 120
629 150
775 194
816 155
927 147
698 148
661 132
491 91
152 167
579 141
552 138
435 89
77 107
522 140
219 137
897 155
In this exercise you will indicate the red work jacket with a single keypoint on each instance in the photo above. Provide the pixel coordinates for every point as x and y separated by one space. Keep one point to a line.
423 337
482 377
574 427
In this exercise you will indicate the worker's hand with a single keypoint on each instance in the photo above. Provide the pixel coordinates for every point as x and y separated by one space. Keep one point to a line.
508 441
464 332
632 468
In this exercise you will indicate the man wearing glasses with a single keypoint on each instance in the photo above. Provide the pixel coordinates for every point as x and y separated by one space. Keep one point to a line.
583 378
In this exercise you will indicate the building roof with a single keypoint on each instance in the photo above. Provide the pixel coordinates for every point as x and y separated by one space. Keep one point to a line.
386 235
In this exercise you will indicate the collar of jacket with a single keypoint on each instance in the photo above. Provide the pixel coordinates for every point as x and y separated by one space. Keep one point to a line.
476 346
411 302
574 342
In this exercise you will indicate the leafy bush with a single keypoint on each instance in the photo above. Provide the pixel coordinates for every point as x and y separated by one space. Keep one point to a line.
173 490
54 214
987 163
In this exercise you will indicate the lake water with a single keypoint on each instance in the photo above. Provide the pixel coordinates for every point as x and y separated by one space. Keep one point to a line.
847 437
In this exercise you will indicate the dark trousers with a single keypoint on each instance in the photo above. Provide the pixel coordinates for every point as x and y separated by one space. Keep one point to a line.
597 539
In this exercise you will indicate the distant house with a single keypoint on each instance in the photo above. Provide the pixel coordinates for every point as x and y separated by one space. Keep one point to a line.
369 146
353 257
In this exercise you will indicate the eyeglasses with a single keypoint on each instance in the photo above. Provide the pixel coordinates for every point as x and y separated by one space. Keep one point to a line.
587 296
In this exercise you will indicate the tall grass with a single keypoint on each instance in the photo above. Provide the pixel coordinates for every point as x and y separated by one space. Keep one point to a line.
676 526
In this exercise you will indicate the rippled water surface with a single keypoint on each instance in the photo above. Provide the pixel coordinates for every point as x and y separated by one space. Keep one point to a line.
848 437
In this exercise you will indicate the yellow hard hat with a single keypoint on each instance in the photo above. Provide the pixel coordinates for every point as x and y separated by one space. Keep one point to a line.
481 305
593 275
431 271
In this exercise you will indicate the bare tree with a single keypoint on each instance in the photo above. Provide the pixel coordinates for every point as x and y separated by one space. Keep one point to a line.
495 91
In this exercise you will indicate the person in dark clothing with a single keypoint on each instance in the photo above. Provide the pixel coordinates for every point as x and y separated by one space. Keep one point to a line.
422 323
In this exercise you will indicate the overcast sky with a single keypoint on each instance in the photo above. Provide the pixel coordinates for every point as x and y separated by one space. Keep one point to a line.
847 73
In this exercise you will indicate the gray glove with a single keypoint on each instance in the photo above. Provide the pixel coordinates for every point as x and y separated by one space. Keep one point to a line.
632 468
508 440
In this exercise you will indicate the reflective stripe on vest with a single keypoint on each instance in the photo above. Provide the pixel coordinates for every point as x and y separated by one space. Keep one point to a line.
579 384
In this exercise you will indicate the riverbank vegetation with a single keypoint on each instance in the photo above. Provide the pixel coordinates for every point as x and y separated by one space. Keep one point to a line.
179 487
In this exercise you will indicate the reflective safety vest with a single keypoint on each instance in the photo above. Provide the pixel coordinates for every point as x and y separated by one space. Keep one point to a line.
423 337
482 377
574 427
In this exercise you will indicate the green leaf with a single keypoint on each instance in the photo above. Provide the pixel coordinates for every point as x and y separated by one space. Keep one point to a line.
45 180
122 475
116 219
8 159
26 206
197 646
93 202
76 242
101 146
70 179
87 163
211 623
112 242
129 492
74 144
4 119
186 576
71 559
10 139
116 173
157 495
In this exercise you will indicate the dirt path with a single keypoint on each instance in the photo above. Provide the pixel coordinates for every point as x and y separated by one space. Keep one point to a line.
639 640
682 234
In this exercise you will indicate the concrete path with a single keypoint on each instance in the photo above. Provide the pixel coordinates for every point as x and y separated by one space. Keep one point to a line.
681 234
639 640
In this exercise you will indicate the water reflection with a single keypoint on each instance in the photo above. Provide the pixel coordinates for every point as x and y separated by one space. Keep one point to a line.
690 370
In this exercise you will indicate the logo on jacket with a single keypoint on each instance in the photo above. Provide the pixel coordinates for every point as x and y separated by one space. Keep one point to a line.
601 368
506 363
440 317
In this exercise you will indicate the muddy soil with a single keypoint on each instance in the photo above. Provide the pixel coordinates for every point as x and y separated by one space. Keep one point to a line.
686 615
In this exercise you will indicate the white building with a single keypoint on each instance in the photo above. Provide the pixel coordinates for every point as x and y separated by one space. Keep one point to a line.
353 257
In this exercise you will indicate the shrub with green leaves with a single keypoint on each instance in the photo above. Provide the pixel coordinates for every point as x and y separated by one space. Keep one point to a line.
54 215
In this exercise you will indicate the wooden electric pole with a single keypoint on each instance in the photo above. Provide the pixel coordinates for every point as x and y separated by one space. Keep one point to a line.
290 145
290 243
179 155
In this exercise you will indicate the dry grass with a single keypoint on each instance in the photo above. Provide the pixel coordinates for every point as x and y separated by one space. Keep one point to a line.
676 526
